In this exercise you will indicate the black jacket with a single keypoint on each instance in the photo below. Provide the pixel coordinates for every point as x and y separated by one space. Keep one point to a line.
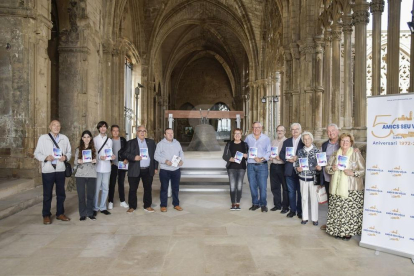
322 176
227 154
123 146
289 170
132 150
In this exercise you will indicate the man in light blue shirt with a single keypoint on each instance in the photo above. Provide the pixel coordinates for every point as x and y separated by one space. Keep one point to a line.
257 171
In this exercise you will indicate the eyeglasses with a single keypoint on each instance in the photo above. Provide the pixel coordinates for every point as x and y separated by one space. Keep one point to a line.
345 141
144 131
294 129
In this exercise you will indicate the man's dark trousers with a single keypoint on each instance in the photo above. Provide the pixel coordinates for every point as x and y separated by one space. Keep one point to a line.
133 187
165 177
277 180
49 179
115 172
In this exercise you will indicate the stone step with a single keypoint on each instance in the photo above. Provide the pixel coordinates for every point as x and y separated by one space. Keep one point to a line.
9 187
20 201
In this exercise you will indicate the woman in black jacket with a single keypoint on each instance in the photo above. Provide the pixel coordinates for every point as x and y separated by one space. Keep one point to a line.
236 166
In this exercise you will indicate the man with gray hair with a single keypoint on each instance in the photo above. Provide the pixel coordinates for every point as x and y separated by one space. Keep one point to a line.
257 171
292 178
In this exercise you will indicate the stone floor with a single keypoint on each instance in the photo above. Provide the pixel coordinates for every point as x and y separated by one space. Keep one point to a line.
204 239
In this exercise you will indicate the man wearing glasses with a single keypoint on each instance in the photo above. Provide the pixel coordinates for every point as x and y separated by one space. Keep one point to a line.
140 154
277 174
292 178
257 171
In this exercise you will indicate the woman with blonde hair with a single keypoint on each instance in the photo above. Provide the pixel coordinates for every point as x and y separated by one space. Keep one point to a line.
346 190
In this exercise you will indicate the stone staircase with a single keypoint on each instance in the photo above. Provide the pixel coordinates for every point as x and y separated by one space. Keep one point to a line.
17 195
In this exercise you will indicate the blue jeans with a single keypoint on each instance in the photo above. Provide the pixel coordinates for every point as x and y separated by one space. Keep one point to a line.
102 182
293 188
257 175
165 177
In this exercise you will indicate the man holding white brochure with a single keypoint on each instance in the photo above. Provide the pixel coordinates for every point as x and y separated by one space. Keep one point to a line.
170 156
140 154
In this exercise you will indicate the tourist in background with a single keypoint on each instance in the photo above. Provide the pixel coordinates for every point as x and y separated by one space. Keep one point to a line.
86 176
118 144
236 168
292 178
346 191
277 174
53 170
309 179
170 156
257 170
103 168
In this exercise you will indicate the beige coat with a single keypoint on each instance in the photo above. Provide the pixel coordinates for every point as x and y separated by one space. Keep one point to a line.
355 183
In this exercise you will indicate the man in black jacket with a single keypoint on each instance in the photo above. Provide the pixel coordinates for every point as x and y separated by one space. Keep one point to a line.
140 154
118 145
292 179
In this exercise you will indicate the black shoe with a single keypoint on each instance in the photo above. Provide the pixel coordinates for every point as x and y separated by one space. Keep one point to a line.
291 214
275 209
254 207
92 218
82 218
264 209
300 216
304 222
315 223
95 213
284 211
105 212
237 208
233 207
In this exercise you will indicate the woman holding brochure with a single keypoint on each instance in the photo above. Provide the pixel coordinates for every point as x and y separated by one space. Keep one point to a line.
85 160
308 169
346 190
235 153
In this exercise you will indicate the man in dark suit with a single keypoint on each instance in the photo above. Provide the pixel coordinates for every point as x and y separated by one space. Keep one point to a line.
140 154
292 179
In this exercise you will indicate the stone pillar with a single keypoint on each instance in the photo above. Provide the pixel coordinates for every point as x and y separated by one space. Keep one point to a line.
327 78
393 47
412 55
377 8
287 88
319 88
336 73
25 79
361 19
348 79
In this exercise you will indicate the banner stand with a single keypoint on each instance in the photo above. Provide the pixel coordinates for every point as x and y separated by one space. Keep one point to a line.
386 250
388 214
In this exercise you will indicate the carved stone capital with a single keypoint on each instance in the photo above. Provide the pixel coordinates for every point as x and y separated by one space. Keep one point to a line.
307 49
361 14
294 50
336 34
377 6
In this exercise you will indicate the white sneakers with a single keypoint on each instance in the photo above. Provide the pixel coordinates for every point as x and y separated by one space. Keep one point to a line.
110 206
124 204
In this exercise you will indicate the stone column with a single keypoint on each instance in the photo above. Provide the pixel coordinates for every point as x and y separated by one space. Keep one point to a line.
393 47
336 72
361 19
348 79
319 88
377 8
327 78
412 54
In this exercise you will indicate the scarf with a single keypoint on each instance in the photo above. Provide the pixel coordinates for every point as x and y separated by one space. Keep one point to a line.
339 181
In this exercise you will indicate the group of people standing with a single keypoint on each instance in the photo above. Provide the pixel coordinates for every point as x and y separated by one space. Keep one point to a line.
96 178
300 187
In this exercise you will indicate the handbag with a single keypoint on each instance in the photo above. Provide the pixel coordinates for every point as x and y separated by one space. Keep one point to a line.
68 167
322 195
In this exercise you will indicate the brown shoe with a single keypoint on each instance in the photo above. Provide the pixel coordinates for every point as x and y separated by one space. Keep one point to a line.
46 220
323 227
130 210
62 217
178 208
163 209
149 210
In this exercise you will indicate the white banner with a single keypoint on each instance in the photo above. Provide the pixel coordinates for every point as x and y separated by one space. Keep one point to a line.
388 223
